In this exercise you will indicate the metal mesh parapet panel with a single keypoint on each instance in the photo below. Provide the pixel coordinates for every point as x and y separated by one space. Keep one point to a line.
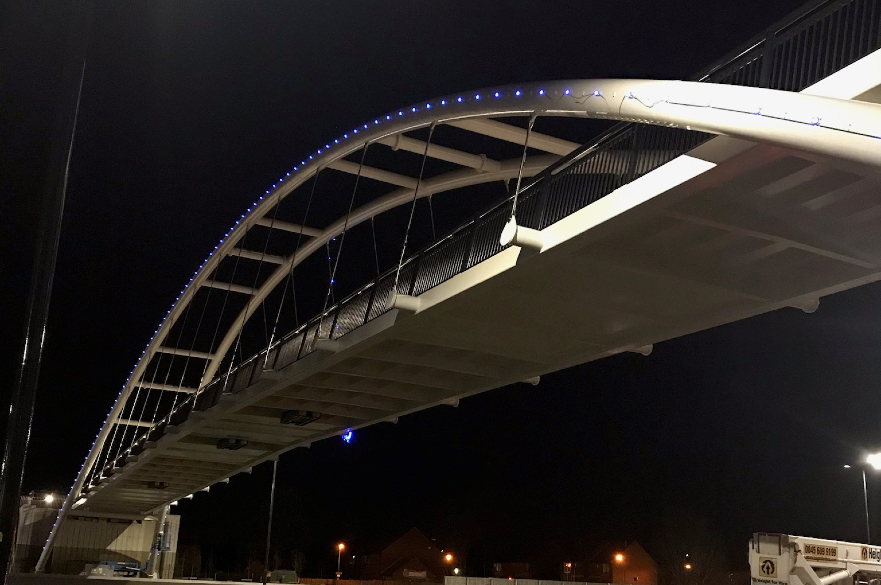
657 145
828 40
325 324
811 46
257 372
595 176
747 70
529 205
441 262
380 296
272 356
210 395
309 343
241 376
288 351
487 231
408 274
352 313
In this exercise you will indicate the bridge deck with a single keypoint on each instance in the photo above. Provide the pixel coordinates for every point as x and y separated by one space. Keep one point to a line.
729 231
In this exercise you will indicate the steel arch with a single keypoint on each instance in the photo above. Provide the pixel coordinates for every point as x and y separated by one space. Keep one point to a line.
822 126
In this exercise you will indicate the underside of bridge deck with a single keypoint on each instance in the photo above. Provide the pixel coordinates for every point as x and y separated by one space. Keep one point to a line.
729 231
726 231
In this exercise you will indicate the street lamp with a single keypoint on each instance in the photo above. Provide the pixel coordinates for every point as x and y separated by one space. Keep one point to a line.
448 557
340 548
619 558
687 566
49 498
874 461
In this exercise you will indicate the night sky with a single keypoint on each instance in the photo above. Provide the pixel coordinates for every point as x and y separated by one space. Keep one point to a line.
191 108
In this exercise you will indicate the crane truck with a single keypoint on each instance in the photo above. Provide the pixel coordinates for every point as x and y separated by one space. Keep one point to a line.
782 559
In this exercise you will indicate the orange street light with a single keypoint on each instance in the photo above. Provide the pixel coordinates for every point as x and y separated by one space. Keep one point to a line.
687 566
619 558
448 557
340 547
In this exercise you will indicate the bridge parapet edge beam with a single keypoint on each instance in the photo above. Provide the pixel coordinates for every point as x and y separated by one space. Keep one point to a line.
526 238
405 303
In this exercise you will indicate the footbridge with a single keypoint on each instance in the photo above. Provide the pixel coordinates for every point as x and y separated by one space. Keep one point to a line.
755 187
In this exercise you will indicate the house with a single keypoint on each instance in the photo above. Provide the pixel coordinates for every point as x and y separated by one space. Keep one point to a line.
412 557
511 571
628 565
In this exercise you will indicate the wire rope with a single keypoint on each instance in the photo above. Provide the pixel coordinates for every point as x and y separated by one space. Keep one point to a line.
290 276
522 163
413 207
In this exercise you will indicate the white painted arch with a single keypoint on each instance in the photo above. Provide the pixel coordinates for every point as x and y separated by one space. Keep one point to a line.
839 129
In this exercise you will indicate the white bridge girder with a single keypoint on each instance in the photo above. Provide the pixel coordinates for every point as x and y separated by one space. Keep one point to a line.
830 131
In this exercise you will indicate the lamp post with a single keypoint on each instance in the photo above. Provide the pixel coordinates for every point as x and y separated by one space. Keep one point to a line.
873 460
620 559
340 548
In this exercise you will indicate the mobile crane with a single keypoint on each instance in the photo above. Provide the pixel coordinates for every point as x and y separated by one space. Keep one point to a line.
782 559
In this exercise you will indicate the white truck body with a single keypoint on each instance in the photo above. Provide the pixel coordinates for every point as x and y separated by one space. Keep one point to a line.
782 559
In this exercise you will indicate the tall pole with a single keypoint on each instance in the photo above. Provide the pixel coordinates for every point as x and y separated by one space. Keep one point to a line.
866 504
24 393
154 561
269 526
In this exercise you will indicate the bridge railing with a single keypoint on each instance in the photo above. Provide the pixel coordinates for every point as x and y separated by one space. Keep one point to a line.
619 157
803 48
796 52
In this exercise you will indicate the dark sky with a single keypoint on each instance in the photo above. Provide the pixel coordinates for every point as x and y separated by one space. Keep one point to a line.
191 108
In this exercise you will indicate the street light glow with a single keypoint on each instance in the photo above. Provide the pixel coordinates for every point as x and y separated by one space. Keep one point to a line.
448 557
49 498
874 460
341 546
687 566
619 558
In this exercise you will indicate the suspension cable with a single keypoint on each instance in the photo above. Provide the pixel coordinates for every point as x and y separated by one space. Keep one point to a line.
413 206
237 347
375 249
522 163
431 215
101 462
291 271
329 266
339 252
149 390
232 277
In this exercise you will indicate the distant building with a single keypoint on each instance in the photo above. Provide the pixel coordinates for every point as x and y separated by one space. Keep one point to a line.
87 538
511 571
413 557
630 565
